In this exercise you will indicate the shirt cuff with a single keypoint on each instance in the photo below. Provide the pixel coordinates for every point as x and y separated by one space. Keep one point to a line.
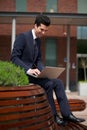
28 71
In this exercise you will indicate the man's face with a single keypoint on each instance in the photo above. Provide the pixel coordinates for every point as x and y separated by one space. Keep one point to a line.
40 30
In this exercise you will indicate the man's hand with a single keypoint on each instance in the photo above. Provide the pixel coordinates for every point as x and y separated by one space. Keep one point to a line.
35 72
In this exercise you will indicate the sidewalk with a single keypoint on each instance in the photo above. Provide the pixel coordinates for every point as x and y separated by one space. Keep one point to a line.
82 114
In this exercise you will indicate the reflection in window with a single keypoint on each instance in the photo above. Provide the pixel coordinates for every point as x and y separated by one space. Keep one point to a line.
82 32
21 5
51 52
51 6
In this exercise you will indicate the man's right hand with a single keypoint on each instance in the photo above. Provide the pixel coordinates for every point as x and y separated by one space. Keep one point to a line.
35 72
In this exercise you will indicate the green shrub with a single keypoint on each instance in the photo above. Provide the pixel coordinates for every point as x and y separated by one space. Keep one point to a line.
11 75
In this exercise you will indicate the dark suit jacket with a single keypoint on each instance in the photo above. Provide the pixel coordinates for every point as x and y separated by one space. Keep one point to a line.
23 52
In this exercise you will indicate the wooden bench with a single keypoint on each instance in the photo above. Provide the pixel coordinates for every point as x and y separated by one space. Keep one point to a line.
27 108
75 105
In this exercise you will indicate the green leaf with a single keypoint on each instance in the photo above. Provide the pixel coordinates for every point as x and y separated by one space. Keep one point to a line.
12 75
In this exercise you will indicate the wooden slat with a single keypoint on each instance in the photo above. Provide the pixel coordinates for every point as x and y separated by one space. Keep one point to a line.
22 107
27 100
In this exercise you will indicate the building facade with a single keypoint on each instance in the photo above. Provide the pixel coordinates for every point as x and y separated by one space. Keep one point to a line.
54 44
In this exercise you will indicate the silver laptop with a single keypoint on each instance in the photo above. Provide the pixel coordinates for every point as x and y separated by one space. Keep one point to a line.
50 72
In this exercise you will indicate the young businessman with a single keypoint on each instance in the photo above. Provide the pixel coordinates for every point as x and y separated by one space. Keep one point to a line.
27 54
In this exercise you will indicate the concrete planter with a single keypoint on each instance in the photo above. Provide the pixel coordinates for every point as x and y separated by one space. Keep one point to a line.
82 88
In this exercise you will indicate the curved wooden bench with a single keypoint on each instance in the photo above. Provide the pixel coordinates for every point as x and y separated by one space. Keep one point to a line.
25 108
75 105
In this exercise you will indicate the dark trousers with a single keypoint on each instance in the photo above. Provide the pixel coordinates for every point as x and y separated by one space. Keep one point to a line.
55 85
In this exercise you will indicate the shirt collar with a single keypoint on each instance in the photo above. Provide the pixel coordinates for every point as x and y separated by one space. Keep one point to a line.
34 35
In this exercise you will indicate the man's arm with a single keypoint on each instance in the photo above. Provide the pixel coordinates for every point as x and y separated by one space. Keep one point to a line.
16 56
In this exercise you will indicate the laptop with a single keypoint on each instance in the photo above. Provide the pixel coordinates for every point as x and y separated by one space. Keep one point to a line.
50 72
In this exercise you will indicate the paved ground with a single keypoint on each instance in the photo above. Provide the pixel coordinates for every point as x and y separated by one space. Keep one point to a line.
82 114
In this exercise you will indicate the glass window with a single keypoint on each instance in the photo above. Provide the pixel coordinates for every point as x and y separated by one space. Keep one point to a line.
51 52
52 6
82 32
82 8
21 5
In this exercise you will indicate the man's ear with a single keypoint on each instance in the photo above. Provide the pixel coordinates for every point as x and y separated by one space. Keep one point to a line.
35 25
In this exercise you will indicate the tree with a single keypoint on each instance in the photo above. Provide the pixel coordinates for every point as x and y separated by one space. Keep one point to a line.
83 64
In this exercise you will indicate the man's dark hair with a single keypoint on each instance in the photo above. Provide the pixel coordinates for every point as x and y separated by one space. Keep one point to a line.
42 19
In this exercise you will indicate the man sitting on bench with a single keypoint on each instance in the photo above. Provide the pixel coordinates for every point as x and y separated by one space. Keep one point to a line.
26 54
